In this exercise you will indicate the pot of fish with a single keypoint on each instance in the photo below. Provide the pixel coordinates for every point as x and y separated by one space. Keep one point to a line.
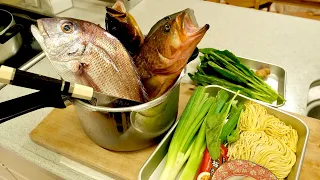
130 128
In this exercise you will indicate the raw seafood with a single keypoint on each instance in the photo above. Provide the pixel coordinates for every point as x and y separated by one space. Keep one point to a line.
166 51
123 26
85 53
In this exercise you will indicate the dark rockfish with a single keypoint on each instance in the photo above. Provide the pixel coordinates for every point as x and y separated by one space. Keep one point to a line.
123 26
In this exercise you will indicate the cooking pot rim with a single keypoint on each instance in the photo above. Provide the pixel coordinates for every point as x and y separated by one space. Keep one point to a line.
10 23
139 107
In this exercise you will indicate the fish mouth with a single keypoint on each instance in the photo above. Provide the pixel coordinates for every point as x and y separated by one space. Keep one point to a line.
118 9
41 28
189 29
119 6
37 34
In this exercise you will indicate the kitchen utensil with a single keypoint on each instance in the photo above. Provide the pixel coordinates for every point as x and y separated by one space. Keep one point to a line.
25 104
130 128
10 38
17 77
154 165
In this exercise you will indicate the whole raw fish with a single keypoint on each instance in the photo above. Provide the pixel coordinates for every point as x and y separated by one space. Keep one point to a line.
164 20
166 51
85 53
123 26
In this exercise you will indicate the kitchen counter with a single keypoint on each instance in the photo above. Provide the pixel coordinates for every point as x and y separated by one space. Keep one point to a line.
287 41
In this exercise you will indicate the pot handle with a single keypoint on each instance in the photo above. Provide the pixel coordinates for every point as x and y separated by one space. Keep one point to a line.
12 31
25 104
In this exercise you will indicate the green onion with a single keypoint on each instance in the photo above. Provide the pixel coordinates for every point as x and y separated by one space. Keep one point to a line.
189 124
196 155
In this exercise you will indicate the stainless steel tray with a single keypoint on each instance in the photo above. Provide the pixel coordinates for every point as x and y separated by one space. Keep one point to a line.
152 168
276 79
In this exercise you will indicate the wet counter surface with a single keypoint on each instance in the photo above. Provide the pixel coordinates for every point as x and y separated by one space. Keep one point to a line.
287 41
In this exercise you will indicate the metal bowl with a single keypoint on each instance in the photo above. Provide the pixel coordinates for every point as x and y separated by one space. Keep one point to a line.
130 128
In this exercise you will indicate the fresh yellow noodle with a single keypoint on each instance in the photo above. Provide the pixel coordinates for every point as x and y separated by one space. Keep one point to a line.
265 140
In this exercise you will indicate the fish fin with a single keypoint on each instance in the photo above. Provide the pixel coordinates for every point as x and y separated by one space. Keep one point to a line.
90 81
103 54
79 69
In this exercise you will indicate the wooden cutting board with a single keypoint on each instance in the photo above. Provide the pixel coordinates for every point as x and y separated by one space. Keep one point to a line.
61 132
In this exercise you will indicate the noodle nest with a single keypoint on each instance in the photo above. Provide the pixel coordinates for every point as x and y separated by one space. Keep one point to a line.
265 140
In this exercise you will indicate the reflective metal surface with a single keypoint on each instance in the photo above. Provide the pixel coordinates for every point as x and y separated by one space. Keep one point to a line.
12 46
155 163
130 128
277 78
313 107
30 52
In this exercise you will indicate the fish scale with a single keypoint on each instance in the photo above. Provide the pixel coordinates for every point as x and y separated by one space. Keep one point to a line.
90 56
167 48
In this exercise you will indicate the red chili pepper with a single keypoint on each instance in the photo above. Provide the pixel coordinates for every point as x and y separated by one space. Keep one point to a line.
206 164
223 152
209 165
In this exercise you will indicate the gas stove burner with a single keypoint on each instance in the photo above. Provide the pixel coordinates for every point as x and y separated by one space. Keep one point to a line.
30 52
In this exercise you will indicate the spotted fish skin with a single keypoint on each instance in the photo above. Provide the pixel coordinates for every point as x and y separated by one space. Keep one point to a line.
83 52
167 48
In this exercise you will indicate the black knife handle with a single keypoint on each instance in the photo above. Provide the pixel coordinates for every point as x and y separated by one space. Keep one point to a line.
25 104
32 80
39 82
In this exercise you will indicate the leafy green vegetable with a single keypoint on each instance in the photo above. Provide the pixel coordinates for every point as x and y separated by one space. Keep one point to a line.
232 122
225 69
214 122
234 136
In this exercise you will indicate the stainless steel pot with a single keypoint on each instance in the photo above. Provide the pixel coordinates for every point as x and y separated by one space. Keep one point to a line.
130 128
10 38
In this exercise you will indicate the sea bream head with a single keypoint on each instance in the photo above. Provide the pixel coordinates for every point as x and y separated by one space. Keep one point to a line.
59 37
166 50
85 53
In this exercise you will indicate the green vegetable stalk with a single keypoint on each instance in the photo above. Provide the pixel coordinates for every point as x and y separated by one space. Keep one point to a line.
232 122
214 122
184 135
195 158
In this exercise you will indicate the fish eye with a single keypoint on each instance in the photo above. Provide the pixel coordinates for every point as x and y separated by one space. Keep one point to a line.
67 27
167 27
